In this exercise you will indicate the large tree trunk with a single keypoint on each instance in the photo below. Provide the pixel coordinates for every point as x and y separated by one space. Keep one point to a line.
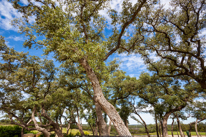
108 108
109 127
164 127
101 123
179 126
172 127
196 128
40 129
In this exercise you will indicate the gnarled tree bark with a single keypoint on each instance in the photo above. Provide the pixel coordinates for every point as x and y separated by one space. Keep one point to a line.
108 108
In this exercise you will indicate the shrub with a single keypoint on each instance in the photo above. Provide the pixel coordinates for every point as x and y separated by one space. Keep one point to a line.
10 131
86 133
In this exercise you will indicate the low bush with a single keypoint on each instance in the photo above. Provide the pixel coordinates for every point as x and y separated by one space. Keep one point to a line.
86 133
10 131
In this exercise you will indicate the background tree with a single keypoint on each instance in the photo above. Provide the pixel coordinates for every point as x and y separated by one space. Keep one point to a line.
197 110
175 38
165 95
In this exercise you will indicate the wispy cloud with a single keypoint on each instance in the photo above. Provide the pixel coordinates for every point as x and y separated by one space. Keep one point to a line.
8 13
15 38
166 3
131 62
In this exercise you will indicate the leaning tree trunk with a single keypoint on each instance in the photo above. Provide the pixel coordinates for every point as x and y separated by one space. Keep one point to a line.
196 128
108 108
179 126
101 123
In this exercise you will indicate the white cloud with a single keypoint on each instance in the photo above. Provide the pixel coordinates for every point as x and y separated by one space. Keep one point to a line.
203 33
166 3
25 2
7 43
8 13
131 62
15 38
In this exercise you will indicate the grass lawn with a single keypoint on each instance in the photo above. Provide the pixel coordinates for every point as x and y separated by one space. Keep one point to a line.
192 133
73 131
174 133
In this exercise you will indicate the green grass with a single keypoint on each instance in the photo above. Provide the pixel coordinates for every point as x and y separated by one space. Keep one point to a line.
73 131
174 133
192 133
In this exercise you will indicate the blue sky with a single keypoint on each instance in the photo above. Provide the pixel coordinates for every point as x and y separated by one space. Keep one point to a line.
132 64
